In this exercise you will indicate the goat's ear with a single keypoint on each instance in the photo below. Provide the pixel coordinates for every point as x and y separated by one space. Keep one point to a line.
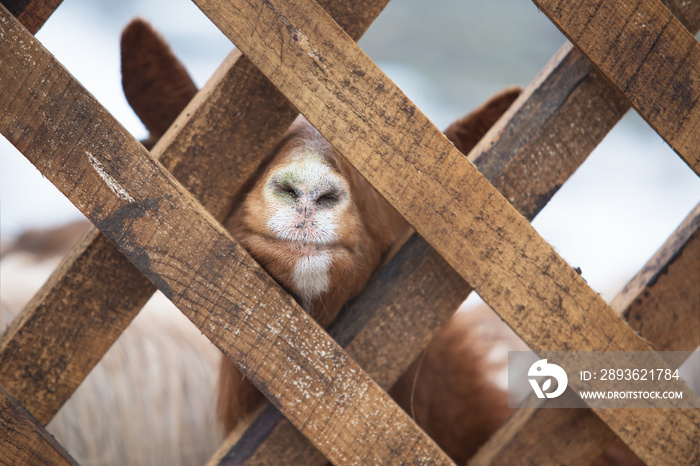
467 131
155 82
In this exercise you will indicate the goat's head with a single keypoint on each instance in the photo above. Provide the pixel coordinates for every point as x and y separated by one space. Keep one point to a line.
314 223
311 220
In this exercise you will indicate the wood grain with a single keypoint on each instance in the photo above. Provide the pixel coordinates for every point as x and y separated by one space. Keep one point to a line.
215 147
188 255
32 13
23 440
551 130
663 299
531 153
687 3
565 94
648 55
43 367
369 120
531 141
661 302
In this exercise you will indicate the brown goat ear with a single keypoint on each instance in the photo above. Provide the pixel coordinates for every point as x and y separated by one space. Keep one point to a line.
467 131
155 82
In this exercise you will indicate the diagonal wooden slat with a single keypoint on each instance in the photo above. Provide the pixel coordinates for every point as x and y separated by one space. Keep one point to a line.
646 53
395 147
23 440
154 221
662 303
530 154
32 13
214 148
522 155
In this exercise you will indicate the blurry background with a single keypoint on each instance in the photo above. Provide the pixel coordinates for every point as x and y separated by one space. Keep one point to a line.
448 56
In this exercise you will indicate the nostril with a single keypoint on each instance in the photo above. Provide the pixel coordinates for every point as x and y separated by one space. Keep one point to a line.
286 189
328 199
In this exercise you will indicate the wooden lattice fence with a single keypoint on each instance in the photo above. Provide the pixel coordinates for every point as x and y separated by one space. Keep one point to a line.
636 53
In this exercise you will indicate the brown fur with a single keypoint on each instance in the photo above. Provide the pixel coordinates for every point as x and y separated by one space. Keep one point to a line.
448 391
368 230
468 130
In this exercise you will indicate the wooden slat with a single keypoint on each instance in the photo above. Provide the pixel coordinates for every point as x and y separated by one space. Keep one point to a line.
567 94
661 302
32 13
23 440
51 346
568 91
214 147
450 204
186 253
646 53
530 154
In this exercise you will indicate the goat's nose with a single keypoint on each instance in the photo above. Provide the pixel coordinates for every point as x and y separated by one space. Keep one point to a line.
328 198
306 196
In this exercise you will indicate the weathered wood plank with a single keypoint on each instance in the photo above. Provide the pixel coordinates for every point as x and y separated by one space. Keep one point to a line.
564 95
551 129
214 147
648 55
450 204
549 132
32 13
23 440
661 302
188 255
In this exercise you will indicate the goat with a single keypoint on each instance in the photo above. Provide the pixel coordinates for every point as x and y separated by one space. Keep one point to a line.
316 225
311 220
